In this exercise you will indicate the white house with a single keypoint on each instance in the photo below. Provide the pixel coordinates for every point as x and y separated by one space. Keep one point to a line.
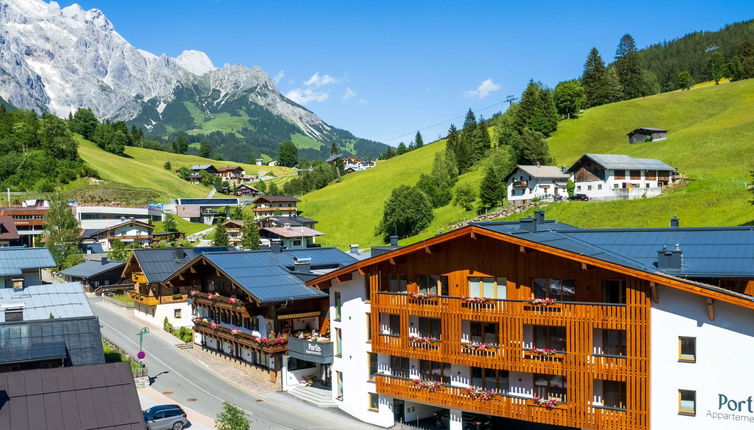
620 177
542 182
129 232
100 217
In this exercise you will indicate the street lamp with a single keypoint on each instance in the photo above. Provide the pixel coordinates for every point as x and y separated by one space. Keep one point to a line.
141 354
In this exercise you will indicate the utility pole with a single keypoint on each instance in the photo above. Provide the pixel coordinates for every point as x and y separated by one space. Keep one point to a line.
510 99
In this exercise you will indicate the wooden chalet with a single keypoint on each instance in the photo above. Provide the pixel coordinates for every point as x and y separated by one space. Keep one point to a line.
267 206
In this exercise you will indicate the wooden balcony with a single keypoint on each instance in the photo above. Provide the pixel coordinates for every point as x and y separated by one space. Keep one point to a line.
138 277
155 300
520 408
245 340
224 303
520 184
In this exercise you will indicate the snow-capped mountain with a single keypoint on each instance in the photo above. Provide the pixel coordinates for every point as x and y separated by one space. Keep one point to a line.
56 60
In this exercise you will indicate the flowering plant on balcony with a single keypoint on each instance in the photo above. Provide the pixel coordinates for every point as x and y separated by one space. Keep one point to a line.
232 300
547 403
478 393
234 331
268 341
431 386
423 339
421 296
213 325
542 351
543 302
474 300
479 346
193 293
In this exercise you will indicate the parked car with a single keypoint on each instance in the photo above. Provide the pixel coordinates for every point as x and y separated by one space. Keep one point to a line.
582 197
165 417
470 421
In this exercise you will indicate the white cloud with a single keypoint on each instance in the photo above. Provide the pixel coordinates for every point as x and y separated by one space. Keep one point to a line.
306 95
349 94
483 90
318 80
280 75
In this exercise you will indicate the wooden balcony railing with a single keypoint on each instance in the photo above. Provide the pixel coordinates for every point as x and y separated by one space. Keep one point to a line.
217 301
154 300
244 339
138 277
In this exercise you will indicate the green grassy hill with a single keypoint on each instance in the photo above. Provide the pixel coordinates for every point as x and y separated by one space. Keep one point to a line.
143 168
711 137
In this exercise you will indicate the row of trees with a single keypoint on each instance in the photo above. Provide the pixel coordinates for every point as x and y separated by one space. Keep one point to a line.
402 148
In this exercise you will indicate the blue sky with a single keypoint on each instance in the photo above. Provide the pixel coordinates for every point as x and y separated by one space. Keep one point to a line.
385 69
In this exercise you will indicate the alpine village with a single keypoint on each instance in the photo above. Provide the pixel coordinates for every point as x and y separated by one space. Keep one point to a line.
185 245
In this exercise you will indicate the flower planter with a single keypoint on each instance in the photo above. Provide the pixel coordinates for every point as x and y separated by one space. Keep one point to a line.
547 404
431 386
479 394
543 354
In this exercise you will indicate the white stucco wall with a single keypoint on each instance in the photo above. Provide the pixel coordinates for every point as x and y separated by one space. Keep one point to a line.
534 188
724 349
354 362
606 190
155 315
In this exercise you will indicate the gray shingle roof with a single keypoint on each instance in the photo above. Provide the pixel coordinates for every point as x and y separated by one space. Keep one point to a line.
66 300
71 398
14 259
620 161
548 172
159 263
268 276
91 268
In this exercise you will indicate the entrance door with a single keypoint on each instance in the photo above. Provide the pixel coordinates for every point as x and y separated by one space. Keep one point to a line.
398 410
326 376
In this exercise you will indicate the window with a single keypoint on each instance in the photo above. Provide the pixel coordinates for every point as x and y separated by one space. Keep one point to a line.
372 365
560 289
374 402
398 283
485 332
296 364
599 186
493 288
614 291
434 284
12 315
177 313
434 371
610 394
399 366
339 382
549 337
490 379
614 342
390 324
338 304
18 283
369 327
368 289
615 186
687 349
589 187
686 402
551 387
578 187
338 342
430 327
251 323
647 184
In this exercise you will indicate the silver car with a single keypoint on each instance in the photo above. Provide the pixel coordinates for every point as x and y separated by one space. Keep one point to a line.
165 417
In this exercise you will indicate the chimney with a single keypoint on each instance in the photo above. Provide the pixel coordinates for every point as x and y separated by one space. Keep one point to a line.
670 260
539 217
287 226
527 225
302 265
393 240
354 248
675 222
276 246
103 260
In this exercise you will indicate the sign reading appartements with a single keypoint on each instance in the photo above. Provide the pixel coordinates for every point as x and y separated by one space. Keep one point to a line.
729 409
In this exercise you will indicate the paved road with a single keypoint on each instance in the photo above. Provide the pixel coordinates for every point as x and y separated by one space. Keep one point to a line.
185 379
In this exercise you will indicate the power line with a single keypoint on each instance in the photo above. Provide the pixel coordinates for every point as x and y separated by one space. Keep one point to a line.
506 100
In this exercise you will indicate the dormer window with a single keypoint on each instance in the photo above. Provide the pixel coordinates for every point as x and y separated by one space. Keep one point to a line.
18 283
14 315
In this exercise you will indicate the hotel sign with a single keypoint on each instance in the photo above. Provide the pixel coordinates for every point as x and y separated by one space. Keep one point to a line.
316 352
732 409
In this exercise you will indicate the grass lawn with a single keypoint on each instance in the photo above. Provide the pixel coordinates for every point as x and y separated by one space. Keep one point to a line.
123 298
112 355
184 226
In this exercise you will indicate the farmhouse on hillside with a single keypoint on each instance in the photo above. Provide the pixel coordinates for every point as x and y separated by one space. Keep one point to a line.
267 206
620 177
130 232
541 182
647 134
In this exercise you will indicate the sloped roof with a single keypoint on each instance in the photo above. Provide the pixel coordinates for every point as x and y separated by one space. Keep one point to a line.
275 199
158 264
649 129
83 398
229 168
14 259
92 268
292 220
553 172
620 161
293 232
66 300
8 228
268 276
202 167
127 222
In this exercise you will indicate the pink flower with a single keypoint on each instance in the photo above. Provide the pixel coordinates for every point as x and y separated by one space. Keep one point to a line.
193 293
232 300
234 331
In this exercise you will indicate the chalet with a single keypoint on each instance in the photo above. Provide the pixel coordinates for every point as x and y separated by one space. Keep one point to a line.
647 134
526 183
235 231
8 234
167 237
131 232
246 190
20 266
267 206
208 168
95 273
290 237
536 321
29 222
96 217
292 221
202 210
272 163
259 162
231 173
249 305
353 164
154 298
620 177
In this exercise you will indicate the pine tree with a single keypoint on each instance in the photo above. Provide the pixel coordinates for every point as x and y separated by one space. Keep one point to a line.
491 189
62 231
204 150
401 149
452 143
3 110
261 186
594 80
418 139
220 236
170 224
628 65
532 149
536 110
288 154
272 189
249 233
481 142
613 90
